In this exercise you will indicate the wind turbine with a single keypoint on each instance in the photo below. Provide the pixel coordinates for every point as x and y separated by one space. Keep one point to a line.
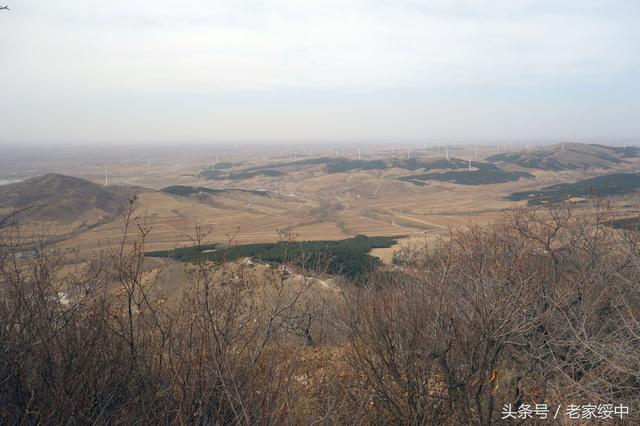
106 176
469 164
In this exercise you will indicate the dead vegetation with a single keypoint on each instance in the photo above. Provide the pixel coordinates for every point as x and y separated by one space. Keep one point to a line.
541 307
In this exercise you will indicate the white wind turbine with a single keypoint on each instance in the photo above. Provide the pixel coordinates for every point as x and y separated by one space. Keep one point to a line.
106 175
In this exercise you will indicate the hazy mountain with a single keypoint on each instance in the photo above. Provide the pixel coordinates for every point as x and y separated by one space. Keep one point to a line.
568 156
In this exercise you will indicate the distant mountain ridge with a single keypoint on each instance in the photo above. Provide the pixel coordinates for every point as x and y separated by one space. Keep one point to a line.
345 165
568 156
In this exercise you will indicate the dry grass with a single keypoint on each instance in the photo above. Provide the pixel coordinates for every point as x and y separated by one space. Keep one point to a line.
373 203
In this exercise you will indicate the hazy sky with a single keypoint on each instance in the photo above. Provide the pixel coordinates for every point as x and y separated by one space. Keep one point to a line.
121 71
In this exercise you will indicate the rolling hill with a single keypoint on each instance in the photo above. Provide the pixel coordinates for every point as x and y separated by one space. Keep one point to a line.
603 186
186 191
568 156
64 199
464 177
344 165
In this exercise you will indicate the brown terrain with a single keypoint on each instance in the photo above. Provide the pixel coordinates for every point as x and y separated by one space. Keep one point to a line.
312 333
304 199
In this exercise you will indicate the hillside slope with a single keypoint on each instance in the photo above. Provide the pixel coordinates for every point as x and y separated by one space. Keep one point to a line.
64 199
602 186
568 156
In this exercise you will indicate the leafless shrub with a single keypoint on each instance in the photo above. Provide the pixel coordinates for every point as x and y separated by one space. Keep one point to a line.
112 351
541 307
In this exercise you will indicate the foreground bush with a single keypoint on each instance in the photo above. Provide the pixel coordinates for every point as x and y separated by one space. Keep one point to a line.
541 308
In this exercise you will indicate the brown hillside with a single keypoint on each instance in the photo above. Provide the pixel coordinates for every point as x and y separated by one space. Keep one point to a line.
63 199
569 156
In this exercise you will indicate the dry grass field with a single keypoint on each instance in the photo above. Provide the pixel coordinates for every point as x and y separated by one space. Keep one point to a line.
306 201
